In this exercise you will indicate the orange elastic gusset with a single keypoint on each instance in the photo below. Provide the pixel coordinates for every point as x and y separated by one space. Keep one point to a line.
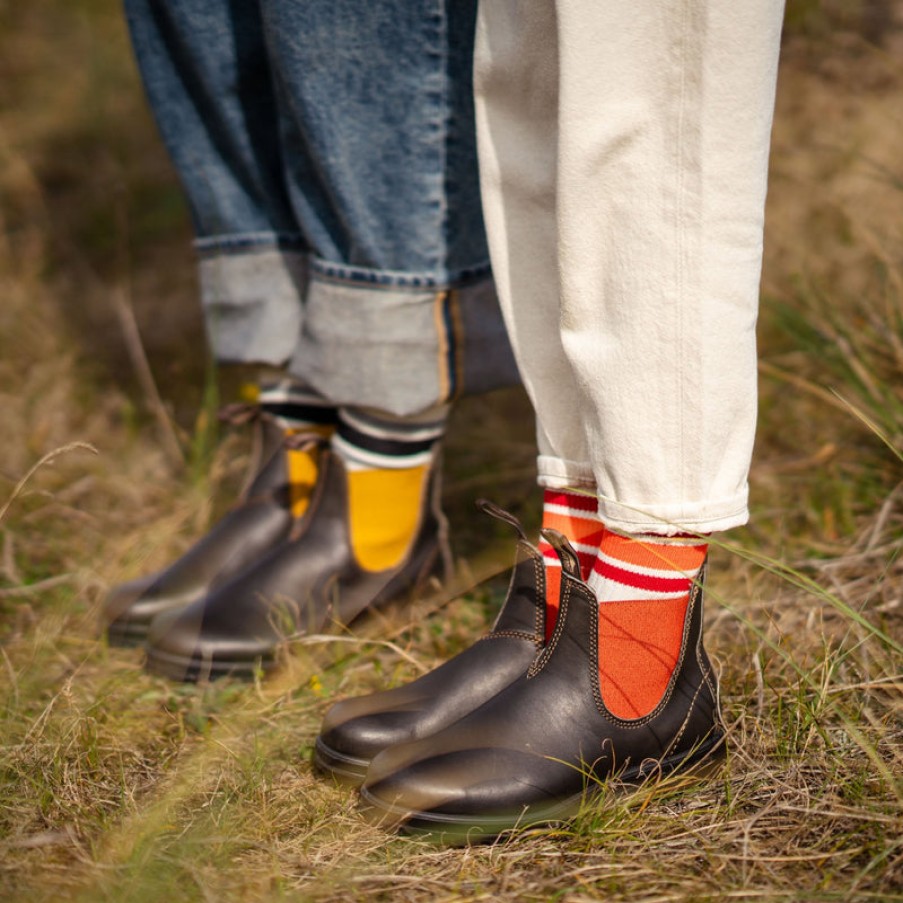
553 588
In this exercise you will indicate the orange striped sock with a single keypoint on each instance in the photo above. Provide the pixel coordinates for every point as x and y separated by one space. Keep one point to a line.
643 585
574 515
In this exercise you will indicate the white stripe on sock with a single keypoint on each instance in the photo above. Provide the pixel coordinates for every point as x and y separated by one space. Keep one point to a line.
400 432
668 573
357 458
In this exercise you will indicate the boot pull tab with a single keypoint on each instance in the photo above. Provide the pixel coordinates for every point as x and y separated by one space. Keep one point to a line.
495 511
238 413
566 554
303 441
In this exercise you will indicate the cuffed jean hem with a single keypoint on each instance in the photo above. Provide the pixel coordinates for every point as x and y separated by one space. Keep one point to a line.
365 276
397 348
251 291
397 342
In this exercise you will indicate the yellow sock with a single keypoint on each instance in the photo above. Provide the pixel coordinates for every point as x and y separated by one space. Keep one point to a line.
384 513
299 411
302 476
388 460
302 465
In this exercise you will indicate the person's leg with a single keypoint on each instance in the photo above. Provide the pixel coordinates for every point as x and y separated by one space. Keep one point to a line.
335 137
659 295
659 179
207 75
206 71
374 207
663 115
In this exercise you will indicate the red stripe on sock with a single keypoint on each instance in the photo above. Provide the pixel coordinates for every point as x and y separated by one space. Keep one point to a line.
570 500
641 581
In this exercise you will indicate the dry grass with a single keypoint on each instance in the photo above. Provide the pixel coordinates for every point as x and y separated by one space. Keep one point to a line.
117 785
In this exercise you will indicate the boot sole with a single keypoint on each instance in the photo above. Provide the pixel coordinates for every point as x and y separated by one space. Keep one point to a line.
342 768
192 669
127 635
459 830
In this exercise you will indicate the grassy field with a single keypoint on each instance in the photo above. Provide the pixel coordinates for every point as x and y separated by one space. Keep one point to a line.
115 785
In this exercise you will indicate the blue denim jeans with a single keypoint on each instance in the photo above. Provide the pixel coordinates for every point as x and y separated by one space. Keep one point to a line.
327 150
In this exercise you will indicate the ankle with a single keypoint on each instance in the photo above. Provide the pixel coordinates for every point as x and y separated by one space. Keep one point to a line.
388 461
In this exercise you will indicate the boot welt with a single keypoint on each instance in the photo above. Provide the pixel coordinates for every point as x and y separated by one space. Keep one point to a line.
344 769
194 669
458 830
127 634
400 588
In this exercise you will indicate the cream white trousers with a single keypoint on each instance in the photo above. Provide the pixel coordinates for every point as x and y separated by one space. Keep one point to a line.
623 153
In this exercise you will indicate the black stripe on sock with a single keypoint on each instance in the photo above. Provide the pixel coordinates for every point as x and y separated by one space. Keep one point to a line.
390 447
308 413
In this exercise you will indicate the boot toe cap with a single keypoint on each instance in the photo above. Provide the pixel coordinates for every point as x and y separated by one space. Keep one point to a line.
367 735
182 644
464 794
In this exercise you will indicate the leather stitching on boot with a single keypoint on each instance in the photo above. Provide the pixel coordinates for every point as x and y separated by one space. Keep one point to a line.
540 661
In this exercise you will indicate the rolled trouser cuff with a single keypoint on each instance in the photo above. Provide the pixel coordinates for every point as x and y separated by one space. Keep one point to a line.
557 473
659 518
377 340
710 516
251 291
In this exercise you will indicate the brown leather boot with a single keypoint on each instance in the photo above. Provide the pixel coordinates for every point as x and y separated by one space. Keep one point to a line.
534 751
306 584
260 520
355 730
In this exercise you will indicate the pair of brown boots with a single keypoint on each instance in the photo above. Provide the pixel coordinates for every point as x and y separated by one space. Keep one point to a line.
510 733
265 573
